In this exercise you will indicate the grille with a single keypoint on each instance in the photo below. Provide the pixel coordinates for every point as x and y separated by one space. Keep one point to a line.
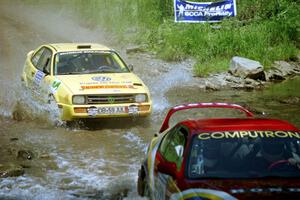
110 99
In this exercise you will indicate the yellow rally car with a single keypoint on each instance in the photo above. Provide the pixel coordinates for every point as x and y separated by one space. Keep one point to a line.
86 81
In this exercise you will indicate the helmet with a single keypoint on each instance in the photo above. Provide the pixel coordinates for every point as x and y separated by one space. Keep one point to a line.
272 150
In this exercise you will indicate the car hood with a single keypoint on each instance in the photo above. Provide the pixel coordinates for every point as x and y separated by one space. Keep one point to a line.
103 84
285 188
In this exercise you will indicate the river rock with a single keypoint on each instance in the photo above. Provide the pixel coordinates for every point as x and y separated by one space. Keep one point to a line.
246 68
283 67
210 85
233 79
290 100
274 75
14 139
134 49
216 82
17 112
11 170
25 154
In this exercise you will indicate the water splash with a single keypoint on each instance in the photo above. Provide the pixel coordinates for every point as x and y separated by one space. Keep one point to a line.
30 188
163 83
138 142
34 106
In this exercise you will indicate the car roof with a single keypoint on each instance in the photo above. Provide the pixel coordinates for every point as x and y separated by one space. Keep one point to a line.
63 47
238 124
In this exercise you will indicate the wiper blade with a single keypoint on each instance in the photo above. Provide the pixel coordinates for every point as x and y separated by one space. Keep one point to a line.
73 73
99 71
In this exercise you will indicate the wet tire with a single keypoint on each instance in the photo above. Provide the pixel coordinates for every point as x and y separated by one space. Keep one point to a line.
142 185
74 124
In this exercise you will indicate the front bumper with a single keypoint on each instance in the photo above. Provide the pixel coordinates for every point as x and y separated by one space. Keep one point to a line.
72 112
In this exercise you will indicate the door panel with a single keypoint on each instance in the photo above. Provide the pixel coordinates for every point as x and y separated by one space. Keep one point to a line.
171 150
37 79
30 68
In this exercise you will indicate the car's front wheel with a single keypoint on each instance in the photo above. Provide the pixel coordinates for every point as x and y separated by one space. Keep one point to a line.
142 185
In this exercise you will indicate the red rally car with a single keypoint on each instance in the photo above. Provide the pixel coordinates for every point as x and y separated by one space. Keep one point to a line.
222 158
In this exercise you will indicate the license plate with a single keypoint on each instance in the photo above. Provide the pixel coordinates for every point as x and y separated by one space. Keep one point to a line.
106 110
111 110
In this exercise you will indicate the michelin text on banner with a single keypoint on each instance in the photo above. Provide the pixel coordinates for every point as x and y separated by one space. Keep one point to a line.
187 11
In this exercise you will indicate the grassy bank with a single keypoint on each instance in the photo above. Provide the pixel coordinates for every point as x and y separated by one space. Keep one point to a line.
263 30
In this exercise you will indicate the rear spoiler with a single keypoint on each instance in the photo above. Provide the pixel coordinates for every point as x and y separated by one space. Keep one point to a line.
165 124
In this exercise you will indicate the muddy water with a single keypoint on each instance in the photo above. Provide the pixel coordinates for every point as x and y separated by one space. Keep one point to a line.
95 160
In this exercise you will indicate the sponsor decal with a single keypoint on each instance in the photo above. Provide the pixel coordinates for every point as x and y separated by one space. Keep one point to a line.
55 85
84 87
188 11
110 82
258 190
248 134
38 77
204 193
88 83
151 165
101 78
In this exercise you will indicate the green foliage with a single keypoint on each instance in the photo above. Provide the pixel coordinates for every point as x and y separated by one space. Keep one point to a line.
206 68
263 30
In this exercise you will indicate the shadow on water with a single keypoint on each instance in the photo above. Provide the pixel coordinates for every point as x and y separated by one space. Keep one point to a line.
109 123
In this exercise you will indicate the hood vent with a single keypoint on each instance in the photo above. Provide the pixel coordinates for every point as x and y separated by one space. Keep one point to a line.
84 46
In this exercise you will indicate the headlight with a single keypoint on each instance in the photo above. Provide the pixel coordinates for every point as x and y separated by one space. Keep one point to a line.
78 99
139 98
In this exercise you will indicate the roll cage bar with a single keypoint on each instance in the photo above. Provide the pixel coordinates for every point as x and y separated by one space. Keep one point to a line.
165 124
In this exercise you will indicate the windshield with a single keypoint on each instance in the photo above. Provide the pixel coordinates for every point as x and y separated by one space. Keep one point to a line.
244 154
88 62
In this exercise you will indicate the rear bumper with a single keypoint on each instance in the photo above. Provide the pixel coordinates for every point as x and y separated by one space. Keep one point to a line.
72 112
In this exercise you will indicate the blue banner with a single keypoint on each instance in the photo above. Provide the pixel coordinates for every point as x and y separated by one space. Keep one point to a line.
187 11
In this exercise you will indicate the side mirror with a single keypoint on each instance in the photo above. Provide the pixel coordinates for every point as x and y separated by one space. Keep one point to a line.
130 66
179 150
167 168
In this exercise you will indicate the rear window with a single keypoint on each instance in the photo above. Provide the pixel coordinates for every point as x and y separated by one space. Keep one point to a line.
244 154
